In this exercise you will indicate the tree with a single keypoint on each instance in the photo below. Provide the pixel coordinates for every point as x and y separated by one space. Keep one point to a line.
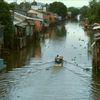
84 11
34 3
74 11
6 20
13 5
94 11
58 8
24 6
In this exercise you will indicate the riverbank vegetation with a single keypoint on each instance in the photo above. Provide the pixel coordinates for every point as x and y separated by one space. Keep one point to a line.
92 12
73 11
58 8
6 20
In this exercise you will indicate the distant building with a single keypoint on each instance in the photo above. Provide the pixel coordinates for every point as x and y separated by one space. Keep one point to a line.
35 14
38 6
37 11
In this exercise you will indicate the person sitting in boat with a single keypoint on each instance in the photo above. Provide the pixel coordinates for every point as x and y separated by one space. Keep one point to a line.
58 59
61 59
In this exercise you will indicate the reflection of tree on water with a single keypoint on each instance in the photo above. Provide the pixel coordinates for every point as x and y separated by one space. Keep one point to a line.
94 49
96 57
95 87
36 49
61 31
95 81
21 57
90 42
15 59
55 31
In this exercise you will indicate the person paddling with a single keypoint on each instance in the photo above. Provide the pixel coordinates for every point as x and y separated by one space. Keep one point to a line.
57 59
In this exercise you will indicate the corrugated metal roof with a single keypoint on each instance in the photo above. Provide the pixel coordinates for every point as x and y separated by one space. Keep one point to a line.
96 27
97 34
23 17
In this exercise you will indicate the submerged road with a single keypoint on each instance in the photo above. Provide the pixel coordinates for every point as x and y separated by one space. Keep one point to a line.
30 73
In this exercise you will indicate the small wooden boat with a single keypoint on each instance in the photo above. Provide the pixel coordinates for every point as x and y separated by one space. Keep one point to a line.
58 61
58 65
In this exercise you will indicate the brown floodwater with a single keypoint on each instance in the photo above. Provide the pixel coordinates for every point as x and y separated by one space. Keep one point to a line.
30 74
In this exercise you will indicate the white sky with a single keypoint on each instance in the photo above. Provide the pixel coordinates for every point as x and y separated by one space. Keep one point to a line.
68 3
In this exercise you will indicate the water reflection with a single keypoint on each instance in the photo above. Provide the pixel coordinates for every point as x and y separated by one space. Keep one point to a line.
90 42
17 59
95 82
34 65
94 49
95 87
55 31
96 57
61 31
36 49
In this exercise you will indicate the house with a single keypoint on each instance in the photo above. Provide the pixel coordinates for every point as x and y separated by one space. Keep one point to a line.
24 29
39 15
38 7
39 11
35 14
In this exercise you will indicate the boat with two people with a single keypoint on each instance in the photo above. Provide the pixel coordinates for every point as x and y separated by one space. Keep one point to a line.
58 61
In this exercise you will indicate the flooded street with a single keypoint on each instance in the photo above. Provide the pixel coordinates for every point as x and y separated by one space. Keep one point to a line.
30 74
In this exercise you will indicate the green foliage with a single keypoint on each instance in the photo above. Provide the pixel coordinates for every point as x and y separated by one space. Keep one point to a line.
5 16
34 3
84 11
24 6
74 11
58 8
6 20
92 12
13 5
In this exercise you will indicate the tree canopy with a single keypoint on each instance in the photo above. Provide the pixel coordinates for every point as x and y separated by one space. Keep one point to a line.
58 8
92 12
6 20
84 12
74 11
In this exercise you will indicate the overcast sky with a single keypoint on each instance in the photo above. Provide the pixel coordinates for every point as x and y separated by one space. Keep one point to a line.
68 3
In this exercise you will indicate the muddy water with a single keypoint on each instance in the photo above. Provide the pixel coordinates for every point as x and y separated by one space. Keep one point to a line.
30 74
